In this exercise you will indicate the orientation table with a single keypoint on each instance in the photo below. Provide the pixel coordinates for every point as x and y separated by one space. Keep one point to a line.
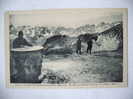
25 64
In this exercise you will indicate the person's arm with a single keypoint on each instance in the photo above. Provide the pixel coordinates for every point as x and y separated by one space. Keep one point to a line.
26 43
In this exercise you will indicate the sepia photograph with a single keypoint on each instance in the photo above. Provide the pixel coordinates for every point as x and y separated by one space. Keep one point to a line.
69 48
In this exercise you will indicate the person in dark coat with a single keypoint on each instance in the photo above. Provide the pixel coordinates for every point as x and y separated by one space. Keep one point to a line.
20 41
78 50
89 45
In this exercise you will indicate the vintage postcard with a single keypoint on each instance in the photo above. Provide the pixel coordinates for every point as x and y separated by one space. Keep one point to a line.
66 48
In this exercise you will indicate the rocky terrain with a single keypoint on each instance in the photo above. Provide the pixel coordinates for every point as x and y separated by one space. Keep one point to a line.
60 62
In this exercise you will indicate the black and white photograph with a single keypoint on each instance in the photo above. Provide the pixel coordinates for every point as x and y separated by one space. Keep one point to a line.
67 47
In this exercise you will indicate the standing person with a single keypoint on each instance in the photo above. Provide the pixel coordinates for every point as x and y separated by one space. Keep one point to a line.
78 50
20 41
89 47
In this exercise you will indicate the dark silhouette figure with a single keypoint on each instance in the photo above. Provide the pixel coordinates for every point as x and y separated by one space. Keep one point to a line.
89 47
20 41
78 50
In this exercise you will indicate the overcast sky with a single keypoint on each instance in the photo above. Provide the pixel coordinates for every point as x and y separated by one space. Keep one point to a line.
68 18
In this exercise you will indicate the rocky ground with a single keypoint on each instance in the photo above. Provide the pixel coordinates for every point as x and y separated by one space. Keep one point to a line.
99 67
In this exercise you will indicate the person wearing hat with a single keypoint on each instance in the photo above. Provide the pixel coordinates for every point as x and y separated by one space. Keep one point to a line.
20 41
78 48
89 45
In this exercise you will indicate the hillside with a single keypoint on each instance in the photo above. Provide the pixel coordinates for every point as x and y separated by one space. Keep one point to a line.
109 35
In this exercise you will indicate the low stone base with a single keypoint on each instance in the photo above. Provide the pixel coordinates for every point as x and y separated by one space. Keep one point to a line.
25 67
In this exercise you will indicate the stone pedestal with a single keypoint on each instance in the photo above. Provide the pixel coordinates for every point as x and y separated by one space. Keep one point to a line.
26 65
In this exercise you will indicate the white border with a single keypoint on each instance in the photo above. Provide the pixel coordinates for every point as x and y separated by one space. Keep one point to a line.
90 85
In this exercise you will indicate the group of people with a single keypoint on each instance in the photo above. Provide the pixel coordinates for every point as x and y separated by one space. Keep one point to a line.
20 41
89 46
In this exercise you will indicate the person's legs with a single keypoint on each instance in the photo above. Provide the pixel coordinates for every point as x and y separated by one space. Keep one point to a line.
87 49
90 50
79 51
